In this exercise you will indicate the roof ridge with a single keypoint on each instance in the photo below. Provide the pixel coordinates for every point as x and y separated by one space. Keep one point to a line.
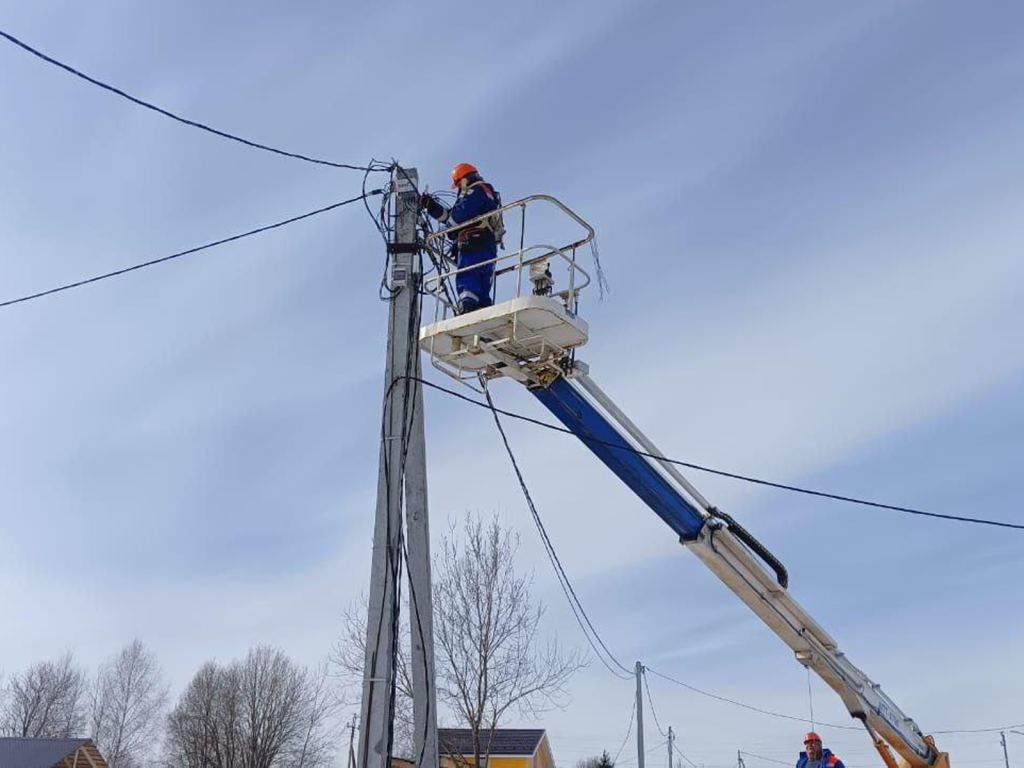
506 730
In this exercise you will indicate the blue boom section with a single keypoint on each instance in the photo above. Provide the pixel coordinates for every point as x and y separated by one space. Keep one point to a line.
585 421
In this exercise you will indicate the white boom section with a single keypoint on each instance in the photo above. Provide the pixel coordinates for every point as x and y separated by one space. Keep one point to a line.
730 560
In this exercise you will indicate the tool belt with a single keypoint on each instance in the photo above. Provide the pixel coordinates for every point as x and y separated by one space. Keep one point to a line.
473 238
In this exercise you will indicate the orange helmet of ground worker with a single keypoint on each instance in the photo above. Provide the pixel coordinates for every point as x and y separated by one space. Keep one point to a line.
461 171
812 736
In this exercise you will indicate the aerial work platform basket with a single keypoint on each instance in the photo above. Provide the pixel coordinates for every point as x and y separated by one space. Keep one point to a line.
531 330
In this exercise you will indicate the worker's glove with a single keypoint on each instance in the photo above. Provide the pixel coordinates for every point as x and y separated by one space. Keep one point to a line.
433 207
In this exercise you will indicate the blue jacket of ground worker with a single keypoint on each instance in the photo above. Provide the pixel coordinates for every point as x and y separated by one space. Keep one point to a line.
828 760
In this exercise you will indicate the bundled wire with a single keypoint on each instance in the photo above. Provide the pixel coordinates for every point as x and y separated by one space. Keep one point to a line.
189 251
732 475
167 113
650 701
629 730
766 759
413 396
606 657
749 707
680 753
425 226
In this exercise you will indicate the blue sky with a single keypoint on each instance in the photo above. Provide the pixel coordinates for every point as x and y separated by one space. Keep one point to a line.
810 217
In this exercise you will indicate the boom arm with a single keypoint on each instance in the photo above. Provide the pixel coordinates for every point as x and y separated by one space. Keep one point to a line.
725 548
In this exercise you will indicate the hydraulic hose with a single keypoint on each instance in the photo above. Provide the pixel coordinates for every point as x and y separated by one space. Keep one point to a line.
755 546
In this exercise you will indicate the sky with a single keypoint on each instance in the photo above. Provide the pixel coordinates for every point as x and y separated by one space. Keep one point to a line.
809 215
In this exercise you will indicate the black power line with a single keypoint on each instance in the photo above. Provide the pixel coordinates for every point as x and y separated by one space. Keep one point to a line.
633 758
179 118
179 254
570 593
733 475
680 753
983 730
747 706
651 702
629 730
762 757
574 600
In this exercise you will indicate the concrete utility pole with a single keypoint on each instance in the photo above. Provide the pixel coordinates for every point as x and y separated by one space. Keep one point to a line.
671 738
639 715
402 458
1006 755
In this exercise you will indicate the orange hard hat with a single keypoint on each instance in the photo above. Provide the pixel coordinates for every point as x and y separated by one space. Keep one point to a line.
811 736
460 171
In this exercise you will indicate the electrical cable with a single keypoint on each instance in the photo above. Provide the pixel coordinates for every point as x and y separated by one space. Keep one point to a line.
167 113
651 702
408 420
762 757
629 730
380 219
810 696
657 724
179 254
425 228
982 730
732 475
632 758
412 363
495 411
383 224
563 579
371 674
748 706
680 753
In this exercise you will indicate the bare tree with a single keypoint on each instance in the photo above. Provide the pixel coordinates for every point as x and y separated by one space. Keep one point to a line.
486 622
348 657
193 725
128 700
46 700
314 744
264 711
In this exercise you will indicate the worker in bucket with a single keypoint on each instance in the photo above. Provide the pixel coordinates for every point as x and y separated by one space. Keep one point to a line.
475 244
814 756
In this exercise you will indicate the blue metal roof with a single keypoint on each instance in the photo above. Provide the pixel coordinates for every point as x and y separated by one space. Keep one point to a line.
503 741
17 752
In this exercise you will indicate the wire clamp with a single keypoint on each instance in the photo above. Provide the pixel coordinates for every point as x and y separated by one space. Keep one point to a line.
403 247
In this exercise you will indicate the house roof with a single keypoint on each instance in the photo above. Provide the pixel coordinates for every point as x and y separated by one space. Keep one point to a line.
16 752
504 741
